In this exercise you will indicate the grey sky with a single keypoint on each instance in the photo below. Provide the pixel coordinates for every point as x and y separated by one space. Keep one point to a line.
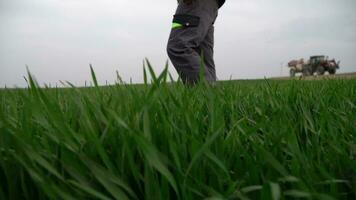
57 39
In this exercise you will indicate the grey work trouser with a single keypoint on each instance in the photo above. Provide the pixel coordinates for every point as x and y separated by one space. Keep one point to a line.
192 39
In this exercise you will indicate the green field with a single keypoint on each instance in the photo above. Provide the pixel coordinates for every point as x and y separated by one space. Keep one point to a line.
263 139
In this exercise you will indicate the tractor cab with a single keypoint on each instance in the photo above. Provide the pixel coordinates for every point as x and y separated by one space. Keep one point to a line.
316 59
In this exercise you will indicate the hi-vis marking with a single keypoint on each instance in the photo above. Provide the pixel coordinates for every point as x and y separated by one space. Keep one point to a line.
176 25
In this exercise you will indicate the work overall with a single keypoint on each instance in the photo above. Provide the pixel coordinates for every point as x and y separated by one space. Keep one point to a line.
191 42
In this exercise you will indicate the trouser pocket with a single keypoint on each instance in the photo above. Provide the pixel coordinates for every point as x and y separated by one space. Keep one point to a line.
185 21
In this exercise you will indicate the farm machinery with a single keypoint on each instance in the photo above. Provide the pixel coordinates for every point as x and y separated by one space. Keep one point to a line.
316 64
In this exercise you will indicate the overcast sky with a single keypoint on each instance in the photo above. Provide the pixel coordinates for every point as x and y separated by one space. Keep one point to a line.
58 39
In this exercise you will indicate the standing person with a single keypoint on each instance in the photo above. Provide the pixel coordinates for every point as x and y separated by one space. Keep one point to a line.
192 39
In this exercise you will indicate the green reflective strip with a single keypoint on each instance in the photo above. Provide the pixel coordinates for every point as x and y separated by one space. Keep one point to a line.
176 25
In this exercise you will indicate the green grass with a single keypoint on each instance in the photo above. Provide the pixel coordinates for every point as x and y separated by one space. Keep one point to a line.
237 140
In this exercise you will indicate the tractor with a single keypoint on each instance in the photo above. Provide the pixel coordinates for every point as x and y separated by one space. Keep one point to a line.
316 64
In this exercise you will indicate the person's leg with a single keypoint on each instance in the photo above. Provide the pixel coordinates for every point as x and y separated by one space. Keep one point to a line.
207 48
191 25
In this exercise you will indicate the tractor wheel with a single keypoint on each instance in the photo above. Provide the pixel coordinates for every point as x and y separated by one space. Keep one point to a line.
320 70
292 72
307 72
332 71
